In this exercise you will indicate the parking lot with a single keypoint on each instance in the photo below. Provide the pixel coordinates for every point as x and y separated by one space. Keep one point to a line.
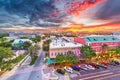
111 73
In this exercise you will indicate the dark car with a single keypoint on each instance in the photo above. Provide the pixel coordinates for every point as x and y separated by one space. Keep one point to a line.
102 66
60 71
9 69
94 65
112 63
116 62
76 68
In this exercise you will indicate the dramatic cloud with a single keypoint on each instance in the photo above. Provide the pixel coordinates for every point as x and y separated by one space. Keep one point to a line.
87 14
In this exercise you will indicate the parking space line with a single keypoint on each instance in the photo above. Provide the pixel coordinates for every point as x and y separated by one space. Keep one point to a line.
99 72
96 76
95 73
111 76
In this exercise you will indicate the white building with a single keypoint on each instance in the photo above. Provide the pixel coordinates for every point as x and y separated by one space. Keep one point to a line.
20 41
61 46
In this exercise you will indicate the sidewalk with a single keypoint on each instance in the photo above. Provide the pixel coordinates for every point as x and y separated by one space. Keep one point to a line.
48 74
9 73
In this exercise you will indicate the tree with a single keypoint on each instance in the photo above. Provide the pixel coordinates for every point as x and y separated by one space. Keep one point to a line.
71 57
46 45
33 50
26 45
117 51
4 35
60 58
87 52
36 39
104 47
5 53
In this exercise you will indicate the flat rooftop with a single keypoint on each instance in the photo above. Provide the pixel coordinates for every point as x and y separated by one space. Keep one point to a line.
61 43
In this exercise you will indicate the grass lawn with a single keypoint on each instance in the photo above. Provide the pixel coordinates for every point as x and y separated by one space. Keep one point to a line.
33 60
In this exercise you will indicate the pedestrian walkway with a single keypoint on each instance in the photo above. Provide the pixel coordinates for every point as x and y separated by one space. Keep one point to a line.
9 73
48 73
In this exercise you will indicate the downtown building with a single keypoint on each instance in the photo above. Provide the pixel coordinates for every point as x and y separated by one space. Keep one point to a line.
96 41
62 46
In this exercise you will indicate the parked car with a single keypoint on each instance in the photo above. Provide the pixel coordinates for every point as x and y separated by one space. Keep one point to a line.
68 69
102 66
76 68
104 63
94 65
90 67
84 67
112 63
116 62
9 69
61 71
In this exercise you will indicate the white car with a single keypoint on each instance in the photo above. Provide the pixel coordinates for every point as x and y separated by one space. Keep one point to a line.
89 67
70 70
83 67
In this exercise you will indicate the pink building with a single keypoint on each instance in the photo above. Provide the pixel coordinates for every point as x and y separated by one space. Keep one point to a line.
96 42
62 47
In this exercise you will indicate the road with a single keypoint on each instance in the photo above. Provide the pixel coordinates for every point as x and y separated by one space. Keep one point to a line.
26 72
112 73
36 75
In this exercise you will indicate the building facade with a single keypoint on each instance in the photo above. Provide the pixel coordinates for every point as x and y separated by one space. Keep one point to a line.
60 46
96 42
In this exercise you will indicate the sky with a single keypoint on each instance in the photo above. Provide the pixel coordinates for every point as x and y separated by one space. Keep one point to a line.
75 15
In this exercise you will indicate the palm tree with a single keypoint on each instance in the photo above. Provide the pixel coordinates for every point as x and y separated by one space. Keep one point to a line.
32 51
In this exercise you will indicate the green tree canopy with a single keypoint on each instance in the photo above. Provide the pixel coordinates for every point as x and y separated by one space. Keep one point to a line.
71 57
5 53
33 50
4 35
60 58
87 52
26 45
46 45
104 47
36 39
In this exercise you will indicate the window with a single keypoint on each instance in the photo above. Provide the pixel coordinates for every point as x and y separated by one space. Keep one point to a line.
55 54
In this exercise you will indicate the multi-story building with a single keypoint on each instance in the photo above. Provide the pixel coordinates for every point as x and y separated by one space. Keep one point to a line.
97 41
62 46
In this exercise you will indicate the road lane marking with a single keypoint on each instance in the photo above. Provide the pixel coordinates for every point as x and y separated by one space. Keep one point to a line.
96 76
94 73
111 76
99 72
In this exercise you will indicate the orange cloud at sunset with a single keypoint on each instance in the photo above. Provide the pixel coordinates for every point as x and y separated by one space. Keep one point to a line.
94 29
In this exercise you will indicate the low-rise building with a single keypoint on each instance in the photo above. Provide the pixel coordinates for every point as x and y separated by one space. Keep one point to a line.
22 34
61 46
19 42
97 41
